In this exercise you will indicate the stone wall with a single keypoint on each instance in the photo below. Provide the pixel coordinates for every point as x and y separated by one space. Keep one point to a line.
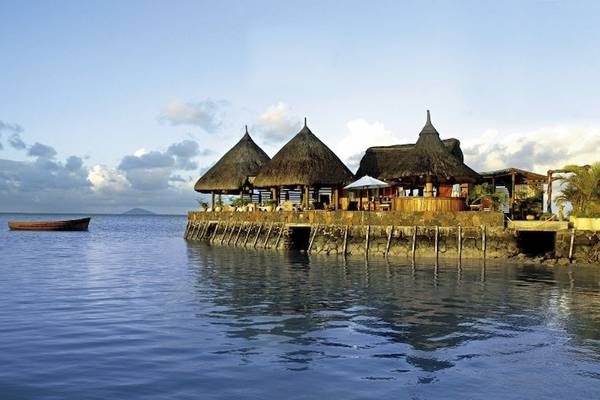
340 233
456 218
586 245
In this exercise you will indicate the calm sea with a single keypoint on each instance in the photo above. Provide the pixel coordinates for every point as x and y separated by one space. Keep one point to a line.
129 310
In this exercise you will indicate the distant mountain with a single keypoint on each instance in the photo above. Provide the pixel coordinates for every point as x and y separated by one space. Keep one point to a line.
138 211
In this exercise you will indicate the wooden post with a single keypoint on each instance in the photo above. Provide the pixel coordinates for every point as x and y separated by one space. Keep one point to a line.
389 240
214 235
436 242
224 232
190 231
336 198
231 234
268 235
194 230
345 244
306 190
572 243
483 240
512 195
312 239
257 235
187 230
279 235
414 243
212 200
549 192
367 240
237 237
459 243
248 234
205 232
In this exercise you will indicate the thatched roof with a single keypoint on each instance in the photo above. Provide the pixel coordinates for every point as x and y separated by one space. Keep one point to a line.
521 175
304 160
430 156
231 172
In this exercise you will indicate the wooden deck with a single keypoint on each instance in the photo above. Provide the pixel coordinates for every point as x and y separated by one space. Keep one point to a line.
538 226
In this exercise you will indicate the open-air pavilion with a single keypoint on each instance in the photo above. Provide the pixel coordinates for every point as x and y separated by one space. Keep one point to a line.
235 171
424 176
305 171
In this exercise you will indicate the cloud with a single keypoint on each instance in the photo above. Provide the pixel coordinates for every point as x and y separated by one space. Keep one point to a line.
144 179
15 129
362 134
537 150
150 160
41 150
184 151
16 142
276 124
206 114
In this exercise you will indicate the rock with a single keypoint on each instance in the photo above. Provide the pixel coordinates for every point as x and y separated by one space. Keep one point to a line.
563 261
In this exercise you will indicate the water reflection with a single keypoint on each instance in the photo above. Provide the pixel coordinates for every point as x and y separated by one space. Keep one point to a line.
425 317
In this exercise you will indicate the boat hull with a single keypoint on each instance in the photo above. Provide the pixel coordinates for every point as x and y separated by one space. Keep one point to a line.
68 225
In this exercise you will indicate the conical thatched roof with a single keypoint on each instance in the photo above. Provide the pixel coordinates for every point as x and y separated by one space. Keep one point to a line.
304 160
429 157
231 172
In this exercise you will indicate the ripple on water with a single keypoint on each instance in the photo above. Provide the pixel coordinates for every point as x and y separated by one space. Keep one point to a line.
130 310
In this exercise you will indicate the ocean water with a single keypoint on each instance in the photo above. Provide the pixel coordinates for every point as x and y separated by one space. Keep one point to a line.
129 310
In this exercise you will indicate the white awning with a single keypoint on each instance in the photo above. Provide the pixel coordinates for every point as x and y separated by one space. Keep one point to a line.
366 182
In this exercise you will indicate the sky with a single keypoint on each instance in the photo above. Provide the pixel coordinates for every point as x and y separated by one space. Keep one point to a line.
109 105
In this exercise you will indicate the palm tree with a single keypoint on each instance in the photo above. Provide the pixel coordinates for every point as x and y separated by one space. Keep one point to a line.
581 188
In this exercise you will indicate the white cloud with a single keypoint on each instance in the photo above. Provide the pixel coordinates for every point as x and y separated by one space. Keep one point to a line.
362 134
107 179
538 150
206 114
277 124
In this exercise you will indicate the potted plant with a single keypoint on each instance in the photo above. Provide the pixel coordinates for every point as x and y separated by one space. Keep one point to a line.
202 205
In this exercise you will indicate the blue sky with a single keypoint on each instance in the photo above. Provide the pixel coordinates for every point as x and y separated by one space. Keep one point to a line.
146 95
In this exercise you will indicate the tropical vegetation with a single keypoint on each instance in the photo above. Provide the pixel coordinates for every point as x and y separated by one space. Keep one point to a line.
581 189
482 194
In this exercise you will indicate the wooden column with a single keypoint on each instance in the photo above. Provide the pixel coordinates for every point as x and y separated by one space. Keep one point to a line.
549 192
512 193
212 200
305 200
336 199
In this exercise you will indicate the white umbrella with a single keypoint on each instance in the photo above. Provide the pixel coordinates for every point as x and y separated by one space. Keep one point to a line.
366 182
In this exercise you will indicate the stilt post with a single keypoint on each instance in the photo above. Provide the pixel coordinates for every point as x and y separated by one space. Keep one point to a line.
572 244
459 238
389 239
279 236
257 236
414 242
312 239
345 244
268 235
367 240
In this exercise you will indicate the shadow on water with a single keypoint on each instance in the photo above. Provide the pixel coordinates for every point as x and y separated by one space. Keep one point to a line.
421 314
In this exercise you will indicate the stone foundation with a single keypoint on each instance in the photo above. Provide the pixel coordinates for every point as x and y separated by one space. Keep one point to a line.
340 233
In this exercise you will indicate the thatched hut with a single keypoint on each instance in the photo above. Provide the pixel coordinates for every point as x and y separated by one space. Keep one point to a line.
235 171
429 168
305 163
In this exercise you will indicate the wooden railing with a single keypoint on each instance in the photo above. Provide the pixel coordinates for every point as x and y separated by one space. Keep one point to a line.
412 204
